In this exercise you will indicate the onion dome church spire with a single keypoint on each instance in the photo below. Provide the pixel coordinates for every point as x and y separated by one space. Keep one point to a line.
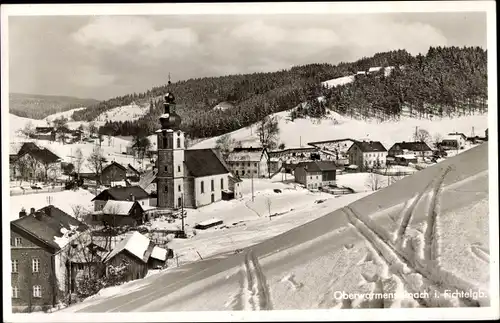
170 119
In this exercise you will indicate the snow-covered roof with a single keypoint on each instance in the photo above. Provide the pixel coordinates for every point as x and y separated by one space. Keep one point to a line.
118 207
374 69
159 253
208 222
135 243
406 156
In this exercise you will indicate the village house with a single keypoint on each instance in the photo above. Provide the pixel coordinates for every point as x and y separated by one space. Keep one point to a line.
129 193
137 253
367 154
316 174
185 177
44 133
248 162
41 246
338 147
35 163
459 137
121 213
147 182
235 186
132 174
418 150
113 173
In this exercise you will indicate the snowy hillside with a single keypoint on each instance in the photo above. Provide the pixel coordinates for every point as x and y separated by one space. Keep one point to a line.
338 81
124 113
301 131
17 123
66 114
412 244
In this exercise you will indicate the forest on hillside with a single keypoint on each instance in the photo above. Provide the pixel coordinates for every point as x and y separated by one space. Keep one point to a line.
444 81
36 106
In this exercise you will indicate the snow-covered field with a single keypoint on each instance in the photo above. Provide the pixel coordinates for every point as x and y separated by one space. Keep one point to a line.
123 113
301 131
246 222
66 114
64 200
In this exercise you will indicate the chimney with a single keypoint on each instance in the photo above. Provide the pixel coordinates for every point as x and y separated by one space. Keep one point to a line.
38 215
32 211
22 213
132 197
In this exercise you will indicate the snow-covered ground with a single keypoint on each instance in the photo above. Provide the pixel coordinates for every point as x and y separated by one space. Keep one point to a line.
66 114
64 200
301 131
339 81
415 236
123 113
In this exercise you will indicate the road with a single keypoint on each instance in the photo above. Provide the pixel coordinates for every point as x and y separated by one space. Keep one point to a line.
460 181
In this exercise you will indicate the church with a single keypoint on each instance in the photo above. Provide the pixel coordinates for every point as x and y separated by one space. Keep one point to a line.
188 178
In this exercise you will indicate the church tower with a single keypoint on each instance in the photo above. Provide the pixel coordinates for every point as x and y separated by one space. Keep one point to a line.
170 177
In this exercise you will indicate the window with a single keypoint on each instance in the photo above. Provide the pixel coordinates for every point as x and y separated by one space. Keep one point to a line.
166 188
79 267
179 188
212 185
242 173
316 177
222 183
166 168
15 292
202 187
37 291
255 164
178 142
15 266
248 164
17 242
179 168
142 202
35 265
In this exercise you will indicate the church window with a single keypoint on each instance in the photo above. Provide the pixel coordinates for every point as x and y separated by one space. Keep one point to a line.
166 168
202 187
222 183
212 186
178 142
166 189
179 168
179 187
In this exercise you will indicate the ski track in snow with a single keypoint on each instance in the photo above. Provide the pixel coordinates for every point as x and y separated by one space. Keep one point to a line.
408 214
254 291
479 252
431 244
400 263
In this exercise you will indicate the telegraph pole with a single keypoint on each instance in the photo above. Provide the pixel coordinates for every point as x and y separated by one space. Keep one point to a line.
182 213
253 196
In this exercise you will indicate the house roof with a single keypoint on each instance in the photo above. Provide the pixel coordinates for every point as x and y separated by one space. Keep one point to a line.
44 155
116 164
246 154
318 166
203 162
147 178
369 146
122 193
136 244
50 227
330 141
27 146
133 169
119 207
159 253
457 134
414 146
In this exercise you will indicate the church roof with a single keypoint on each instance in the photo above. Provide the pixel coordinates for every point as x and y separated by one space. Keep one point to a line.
203 162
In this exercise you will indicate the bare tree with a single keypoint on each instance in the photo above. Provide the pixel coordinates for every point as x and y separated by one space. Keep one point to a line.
95 162
225 144
28 130
373 182
436 139
423 136
268 131
92 128
78 158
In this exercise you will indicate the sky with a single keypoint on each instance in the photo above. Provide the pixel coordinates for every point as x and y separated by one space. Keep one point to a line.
102 57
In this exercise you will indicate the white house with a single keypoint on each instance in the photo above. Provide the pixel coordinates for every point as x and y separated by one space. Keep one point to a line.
248 162
367 154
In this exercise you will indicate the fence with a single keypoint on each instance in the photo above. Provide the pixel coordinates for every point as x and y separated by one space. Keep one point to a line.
30 191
